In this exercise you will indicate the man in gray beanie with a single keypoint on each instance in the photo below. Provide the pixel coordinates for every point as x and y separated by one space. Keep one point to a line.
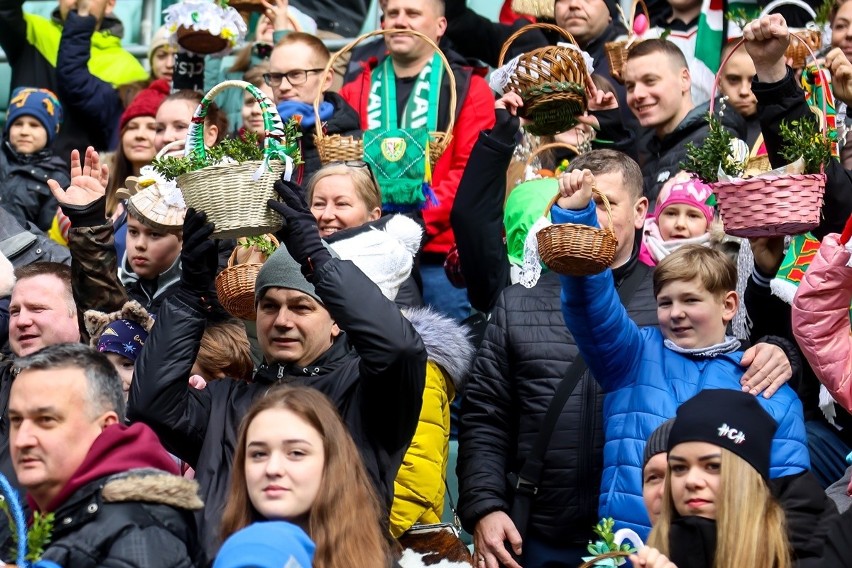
320 321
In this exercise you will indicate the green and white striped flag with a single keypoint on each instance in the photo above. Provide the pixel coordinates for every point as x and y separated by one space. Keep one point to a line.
711 28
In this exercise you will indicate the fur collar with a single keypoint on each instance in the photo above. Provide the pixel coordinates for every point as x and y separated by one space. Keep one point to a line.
152 486
447 342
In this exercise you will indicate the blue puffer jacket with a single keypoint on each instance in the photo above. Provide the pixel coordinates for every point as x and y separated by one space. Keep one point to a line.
645 383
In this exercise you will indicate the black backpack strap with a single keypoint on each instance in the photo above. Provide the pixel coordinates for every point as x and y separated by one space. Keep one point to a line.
525 484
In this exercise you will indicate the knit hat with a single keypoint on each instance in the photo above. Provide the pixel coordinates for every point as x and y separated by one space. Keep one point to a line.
730 419
160 39
41 104
146 102
269 544
384 250
282 271
685 189
658 441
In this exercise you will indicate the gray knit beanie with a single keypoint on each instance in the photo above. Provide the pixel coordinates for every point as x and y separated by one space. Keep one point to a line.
282 271
658 441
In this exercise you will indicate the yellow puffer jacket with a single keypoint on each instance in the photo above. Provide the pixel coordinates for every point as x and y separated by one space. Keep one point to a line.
419 485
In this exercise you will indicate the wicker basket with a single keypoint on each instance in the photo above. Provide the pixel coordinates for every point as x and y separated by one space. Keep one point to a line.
235 285
200 41
546 148
551 80
339 148
768 206
805 41
614 554
616 51
577 250
232 195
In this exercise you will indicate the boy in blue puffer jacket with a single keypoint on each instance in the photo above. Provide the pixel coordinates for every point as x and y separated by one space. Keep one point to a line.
648 372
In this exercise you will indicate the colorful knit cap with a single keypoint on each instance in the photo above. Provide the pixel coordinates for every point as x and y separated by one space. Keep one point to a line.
41 104
124 337
146 102
687 191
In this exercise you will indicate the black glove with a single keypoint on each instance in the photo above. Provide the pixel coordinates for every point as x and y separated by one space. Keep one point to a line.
199 255
300 233
505 126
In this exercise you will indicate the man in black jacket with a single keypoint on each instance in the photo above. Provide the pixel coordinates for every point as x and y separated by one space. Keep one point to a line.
320 323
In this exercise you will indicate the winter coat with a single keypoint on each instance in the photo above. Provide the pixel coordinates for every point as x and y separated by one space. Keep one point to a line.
374 373
418 495
645 383
525 354
94 270
474 113
79 88
821 319
32 45
25 246
23 185
141 518
149 293
785 100
344 122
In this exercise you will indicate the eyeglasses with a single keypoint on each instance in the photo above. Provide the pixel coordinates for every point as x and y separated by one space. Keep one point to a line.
295 77
358 164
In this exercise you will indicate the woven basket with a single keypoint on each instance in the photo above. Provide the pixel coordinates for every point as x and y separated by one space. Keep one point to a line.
768 206
235 285
339 148
616 51
577 250
200 41
599 557
551 80
546 148
235 202
806 40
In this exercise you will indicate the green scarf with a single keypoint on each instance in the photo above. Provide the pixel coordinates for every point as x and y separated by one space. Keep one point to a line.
399 154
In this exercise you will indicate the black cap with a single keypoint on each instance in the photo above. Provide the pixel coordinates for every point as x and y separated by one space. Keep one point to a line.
658 441
730 419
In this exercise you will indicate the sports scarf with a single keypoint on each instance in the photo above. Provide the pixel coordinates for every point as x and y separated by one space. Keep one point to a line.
399 153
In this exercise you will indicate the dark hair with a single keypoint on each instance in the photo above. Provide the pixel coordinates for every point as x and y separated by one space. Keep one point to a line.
652 46
255 75
611 161
57 269
215 116
104 384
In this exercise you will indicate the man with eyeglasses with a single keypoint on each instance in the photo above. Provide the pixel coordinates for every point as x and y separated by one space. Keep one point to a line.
409 73
296 76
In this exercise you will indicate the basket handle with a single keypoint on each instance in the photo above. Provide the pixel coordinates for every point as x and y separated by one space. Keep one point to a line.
604 556
549 146
778 3
739 44
595 191
356 41
527 28
232 260
633 11
272 125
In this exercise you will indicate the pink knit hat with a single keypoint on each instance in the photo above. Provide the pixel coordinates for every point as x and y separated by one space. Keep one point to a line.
688 191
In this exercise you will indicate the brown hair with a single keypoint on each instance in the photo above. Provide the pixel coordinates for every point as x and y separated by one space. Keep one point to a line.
713 268
313 42
255 75
365 186
57 269
345 519
834 9
611 161
225 349
215 116
663 46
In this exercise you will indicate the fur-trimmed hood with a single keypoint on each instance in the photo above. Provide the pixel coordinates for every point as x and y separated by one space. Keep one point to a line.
447 342
150 485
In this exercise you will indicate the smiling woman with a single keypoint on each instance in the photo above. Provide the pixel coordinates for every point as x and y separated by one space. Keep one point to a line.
343 195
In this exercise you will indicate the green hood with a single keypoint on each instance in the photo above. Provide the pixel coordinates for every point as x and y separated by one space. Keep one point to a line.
525 205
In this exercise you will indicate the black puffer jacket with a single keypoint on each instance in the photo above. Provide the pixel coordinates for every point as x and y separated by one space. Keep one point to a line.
23 185
526 352
140 519
25 246
344 121
374 373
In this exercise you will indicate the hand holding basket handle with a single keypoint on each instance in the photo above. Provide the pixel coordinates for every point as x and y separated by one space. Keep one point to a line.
766 41
575 189
199 255
300 233
841 74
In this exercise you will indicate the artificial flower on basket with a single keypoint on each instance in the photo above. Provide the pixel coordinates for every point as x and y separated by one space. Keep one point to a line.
754 202
208 27
611 549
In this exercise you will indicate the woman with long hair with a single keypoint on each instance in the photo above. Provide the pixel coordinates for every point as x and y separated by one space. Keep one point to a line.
295 461
174 117
718 510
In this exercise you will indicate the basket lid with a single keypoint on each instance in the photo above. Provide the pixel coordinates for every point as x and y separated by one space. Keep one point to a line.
154 200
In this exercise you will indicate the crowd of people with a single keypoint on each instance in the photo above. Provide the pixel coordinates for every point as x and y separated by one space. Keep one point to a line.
410 366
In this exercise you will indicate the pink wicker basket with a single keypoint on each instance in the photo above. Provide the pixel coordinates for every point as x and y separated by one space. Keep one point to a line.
769 206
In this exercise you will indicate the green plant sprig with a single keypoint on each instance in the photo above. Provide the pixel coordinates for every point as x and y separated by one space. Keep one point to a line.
823 12
240 149
705 160
38 535
804 139
265 246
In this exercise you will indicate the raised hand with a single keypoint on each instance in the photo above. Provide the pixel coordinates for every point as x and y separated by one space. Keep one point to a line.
299 234
276 11
88 180
766 40
575 189
841 74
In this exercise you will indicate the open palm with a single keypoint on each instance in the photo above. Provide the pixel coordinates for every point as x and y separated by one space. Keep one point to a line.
88 180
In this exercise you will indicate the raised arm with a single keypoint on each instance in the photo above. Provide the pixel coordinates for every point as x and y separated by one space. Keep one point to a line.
13 30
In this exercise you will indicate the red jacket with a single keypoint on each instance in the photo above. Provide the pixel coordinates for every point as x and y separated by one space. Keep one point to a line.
476 114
